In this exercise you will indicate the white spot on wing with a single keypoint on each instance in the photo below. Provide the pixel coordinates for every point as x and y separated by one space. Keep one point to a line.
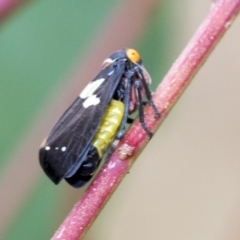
91 88
110 73
91 101
63 149
88 93
47 148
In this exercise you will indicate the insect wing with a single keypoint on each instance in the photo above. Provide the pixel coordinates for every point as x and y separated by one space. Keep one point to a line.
68 142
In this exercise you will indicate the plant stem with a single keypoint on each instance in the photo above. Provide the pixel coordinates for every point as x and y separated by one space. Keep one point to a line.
209 33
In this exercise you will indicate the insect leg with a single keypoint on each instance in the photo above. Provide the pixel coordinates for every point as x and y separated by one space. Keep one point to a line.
130 120
126 101
111 149
138 87
147 91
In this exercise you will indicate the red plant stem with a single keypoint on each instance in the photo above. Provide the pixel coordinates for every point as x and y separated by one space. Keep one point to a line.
85 211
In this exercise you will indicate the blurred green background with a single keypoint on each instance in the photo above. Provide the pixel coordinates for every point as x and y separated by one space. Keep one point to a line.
48 51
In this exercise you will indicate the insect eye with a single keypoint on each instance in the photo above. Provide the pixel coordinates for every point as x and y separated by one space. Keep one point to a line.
106 63
133 55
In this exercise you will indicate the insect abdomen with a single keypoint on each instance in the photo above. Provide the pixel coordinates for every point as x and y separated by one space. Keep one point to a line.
108 128
104 136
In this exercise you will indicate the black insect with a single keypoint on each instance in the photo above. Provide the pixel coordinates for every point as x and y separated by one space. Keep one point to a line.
77 143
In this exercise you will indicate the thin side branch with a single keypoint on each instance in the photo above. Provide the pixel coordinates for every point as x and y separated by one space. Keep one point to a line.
209 33
9 6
